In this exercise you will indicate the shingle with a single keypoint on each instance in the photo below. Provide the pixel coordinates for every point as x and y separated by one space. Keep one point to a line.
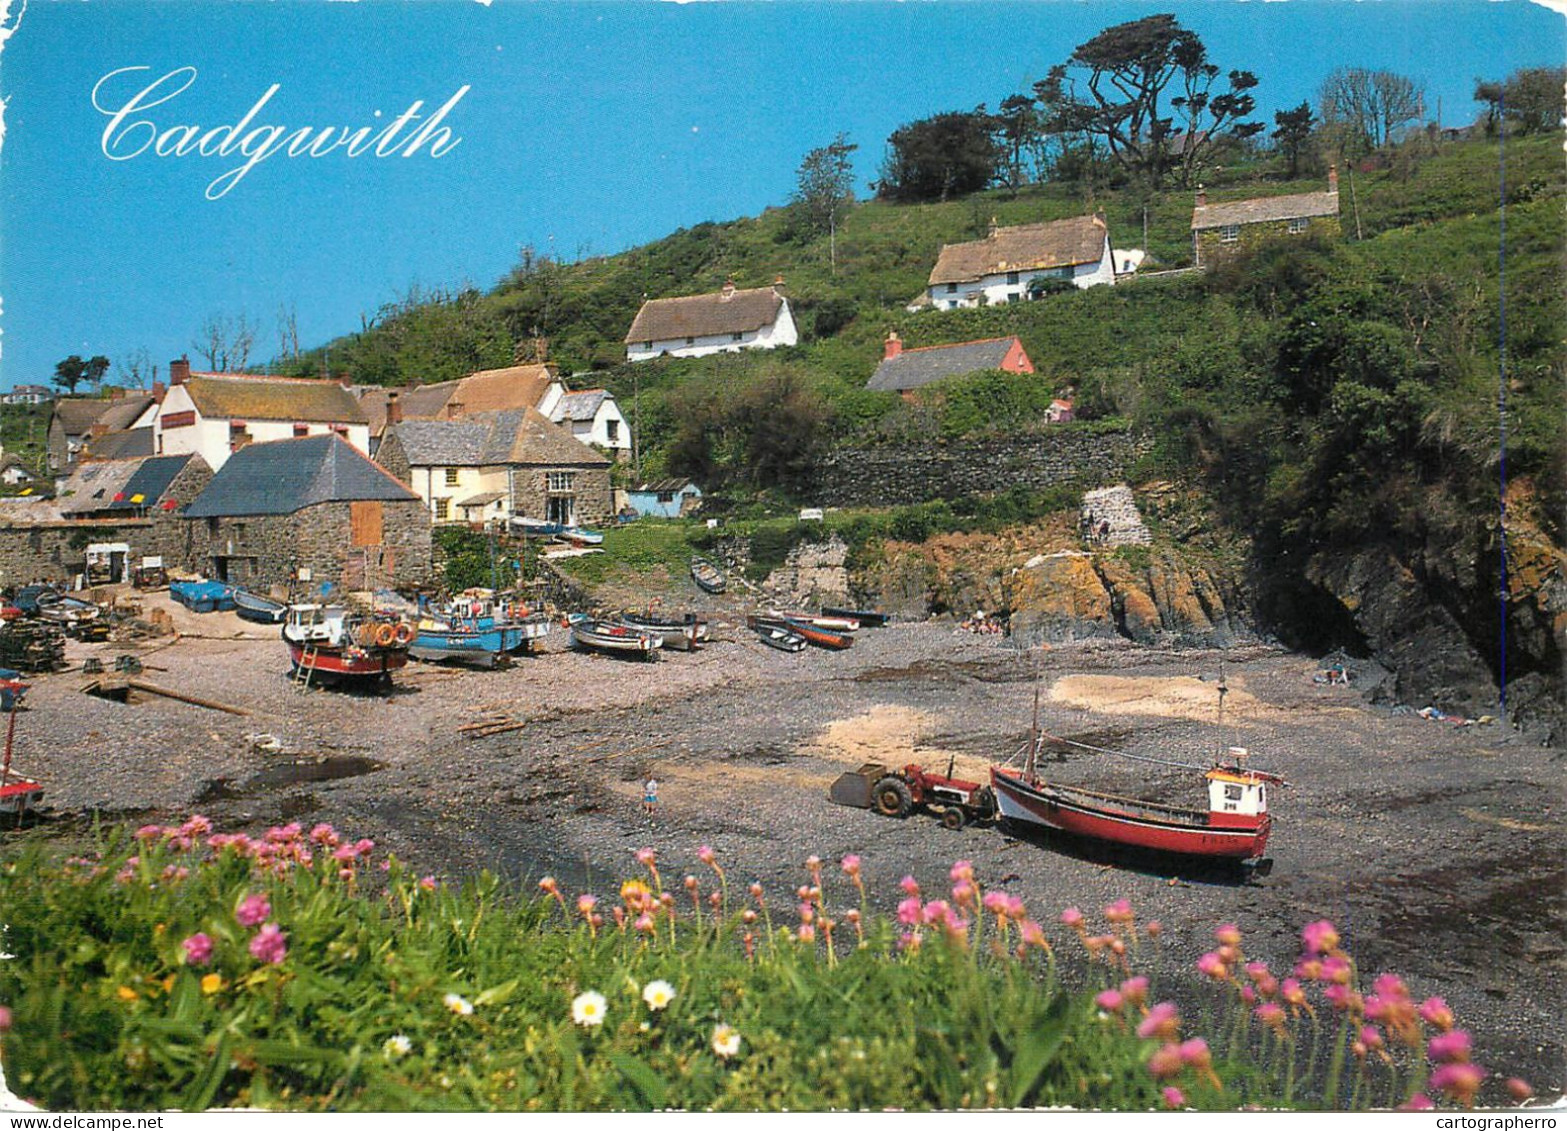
1296 206
914 368
152 479
701 316
1026 247
219 395
287 475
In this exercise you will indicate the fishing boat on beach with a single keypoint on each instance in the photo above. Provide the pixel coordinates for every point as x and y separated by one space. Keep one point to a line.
258 609
329 643
865 618
708 577
18 793
832 638
615 639
685 631
482 635
1235 826
779 637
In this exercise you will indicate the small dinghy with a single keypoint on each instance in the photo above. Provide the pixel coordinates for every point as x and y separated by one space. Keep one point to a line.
865 618
615 639
258 609
811 633
684 631
776 636
708 577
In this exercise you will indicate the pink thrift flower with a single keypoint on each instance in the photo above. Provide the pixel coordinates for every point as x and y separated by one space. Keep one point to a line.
1272 1015
995 902
646 857
962 870
196 826
911 911
586 903
198 949
1120 911
1072 917
1213 966
1417 1102
1228 934
1320 937
644 923
324 834
427 883
1195 1053
1248 995
937 910
807 933
1135 990
851 865
1162 1022
1257 971
1165 1062
269 945
344 853
1014 907
1173 1097
963 893
1434 1012
1460 1080
909 885
1390 986
1452 1046
1110 1001
1371 1037
253 910
149 832
706 854
1336 970
1154 928
5 1020
1520 1090
364 847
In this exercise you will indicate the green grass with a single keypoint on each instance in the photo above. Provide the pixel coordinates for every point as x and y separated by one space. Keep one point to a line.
641 547
289 973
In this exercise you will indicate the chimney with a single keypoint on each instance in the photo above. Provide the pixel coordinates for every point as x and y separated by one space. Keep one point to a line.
729 288
98 430
994 227
179 371
894 346
394 409
778 282
158 391
1333 178
1202 197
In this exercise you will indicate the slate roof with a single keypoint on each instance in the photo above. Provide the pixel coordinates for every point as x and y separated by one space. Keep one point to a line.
1296 206
661 486
700 316
152 479
77 415
488 390
914 368
130 443
285 476
1026 247
219 395
583 405
490 439
93 485
482 499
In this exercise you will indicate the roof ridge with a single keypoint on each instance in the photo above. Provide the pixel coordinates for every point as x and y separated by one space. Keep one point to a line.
952 345
266 377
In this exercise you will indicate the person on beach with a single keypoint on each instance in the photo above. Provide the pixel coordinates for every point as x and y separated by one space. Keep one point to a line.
650 797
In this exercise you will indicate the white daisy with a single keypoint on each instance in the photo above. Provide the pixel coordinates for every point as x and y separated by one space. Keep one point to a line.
587 1009
397 1045
726 1041
658 994
458 1004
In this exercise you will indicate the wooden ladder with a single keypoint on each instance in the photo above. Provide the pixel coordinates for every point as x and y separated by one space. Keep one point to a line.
306 667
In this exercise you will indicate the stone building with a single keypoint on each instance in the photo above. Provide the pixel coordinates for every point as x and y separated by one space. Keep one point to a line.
1220 231
73 421
133 502
313 509
496 466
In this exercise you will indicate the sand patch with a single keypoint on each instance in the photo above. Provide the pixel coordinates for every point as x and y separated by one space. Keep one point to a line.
1503 822
1175 697
892 736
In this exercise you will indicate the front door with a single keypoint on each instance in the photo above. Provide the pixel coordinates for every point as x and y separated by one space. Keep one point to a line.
562 509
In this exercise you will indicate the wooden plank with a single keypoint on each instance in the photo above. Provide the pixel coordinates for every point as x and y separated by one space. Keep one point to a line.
365 522
154 689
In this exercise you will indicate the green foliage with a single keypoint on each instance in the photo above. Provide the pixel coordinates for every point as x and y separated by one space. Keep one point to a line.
474 559
643 547
940 158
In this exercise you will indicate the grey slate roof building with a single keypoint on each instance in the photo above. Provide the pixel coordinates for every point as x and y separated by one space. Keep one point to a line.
490 439
913 368
581 406
286 476
129 443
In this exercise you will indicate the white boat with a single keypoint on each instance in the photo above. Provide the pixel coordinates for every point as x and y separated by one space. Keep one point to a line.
620 639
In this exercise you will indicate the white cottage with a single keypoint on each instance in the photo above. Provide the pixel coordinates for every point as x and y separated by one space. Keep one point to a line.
1002 267
726 321
217 414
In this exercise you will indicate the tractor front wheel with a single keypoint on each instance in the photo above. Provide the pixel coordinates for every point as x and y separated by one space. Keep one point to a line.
952 818
892 797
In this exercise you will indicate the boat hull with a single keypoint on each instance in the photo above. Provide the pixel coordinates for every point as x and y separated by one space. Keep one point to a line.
483 643
863 617
619 640
18 795
708 577
780 638
813 634
1162 829
347 664
683 635
257 609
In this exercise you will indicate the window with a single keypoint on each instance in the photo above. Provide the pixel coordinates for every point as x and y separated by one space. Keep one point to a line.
1014 296
1232 793
1011 276
737 336
952 288
560 480
1229 233
647 345
666 496
443 509
451 477
301 430
612 429
690 341
1298 226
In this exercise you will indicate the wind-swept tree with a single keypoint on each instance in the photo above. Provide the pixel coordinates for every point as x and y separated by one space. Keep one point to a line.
1293 133
1018 129
1132 85
69 373
825 188
1364 110
94 370
940 157
1530 101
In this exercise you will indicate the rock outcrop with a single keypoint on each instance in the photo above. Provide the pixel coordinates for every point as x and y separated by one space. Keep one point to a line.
815 574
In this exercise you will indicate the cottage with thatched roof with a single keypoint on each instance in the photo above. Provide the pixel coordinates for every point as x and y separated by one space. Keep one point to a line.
217 414
725 321
495 466
1015 264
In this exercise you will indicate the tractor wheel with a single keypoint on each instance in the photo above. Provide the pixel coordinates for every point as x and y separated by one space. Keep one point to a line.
892 798
952 818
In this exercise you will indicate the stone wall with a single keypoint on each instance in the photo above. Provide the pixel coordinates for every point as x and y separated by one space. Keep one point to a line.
1211 250
895 476
57 551
266 550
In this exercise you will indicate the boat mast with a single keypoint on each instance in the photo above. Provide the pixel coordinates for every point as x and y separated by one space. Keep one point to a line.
1033 739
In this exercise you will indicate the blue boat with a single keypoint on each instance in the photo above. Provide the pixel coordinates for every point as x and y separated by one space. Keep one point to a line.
198 596
481 639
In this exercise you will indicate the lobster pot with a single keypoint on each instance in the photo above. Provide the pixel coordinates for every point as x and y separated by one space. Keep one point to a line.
29 646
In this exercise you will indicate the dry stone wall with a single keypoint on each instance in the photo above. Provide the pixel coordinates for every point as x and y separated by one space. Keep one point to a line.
896 476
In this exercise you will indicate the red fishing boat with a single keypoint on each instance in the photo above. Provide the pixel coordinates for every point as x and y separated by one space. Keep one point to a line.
1235 825
18 794
327 643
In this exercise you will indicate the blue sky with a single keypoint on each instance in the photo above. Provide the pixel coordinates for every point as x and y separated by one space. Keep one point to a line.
586 128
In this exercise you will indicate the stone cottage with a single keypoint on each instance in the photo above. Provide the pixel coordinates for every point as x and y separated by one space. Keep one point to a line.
313 509
1220 231
73 421
496 466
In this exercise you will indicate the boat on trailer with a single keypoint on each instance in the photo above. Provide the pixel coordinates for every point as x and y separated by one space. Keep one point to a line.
1235 826
328 643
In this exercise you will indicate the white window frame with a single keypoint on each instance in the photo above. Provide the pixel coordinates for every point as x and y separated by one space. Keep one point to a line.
1298 225
1230 233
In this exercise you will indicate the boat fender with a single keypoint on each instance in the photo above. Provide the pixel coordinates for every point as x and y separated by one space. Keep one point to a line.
403 634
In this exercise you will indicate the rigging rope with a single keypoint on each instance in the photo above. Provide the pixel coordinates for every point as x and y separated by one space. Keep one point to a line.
1121 753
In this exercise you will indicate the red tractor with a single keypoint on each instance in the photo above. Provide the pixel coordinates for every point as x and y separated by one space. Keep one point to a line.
897 793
